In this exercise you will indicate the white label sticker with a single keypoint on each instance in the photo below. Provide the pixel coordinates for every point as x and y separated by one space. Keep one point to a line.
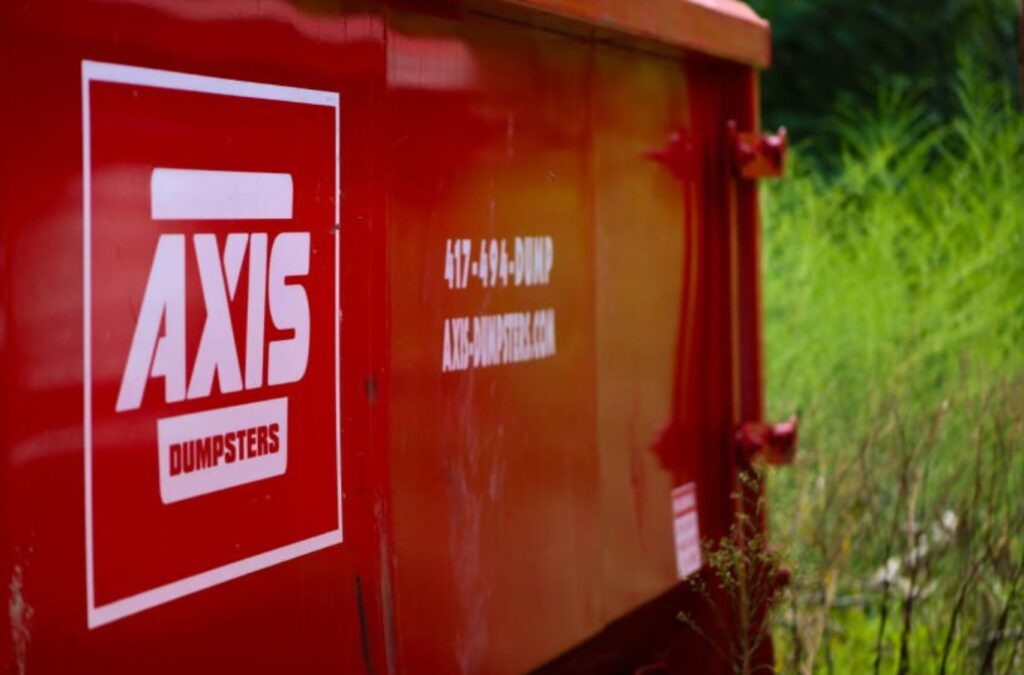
686 529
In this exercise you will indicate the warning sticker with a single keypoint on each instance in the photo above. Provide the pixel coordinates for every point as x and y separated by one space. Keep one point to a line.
211 338
687 530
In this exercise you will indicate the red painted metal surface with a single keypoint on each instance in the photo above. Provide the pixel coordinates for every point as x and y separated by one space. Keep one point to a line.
773 443
726 29
757 155
542 332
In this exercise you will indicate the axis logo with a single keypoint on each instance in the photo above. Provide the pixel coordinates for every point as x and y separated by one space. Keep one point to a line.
212 341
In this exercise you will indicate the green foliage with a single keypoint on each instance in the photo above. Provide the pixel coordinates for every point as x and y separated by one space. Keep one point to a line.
894 300
833 52
905 258
853 640
740 579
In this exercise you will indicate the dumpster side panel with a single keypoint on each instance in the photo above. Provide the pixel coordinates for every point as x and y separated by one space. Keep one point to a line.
711 372
720 388
509 132
638 102
493 463
528 305
309 614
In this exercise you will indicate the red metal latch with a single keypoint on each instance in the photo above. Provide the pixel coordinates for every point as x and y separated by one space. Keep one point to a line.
757 155
773 443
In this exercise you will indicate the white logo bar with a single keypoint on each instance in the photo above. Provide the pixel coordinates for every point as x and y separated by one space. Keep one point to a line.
197 194
214 450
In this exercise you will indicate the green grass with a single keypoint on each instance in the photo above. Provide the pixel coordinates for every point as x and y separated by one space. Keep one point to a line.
894 302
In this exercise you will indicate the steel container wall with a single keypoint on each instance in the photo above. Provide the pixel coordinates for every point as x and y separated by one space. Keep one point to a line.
480 466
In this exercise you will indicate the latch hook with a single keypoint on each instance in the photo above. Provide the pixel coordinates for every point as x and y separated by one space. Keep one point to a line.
775 444
757 155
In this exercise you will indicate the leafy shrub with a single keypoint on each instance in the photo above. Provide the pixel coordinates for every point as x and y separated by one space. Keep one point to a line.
830 52
894 300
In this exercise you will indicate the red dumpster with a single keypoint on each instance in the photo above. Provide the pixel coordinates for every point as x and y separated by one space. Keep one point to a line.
373 337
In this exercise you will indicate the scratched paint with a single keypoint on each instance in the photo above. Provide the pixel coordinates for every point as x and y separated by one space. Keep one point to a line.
20 615
464 546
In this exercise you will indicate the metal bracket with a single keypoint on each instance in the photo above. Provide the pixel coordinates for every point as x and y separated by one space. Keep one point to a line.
678 155
756 155
775 444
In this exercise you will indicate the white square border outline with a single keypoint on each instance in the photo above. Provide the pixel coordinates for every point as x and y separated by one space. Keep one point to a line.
95 71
